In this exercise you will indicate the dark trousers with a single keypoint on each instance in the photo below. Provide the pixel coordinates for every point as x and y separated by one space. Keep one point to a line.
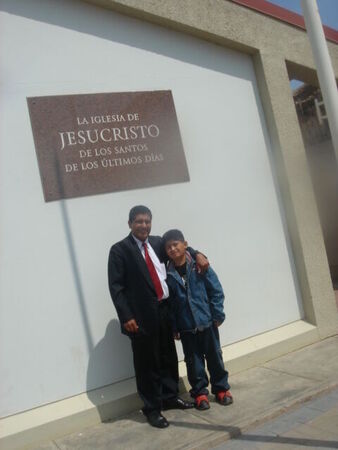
198 347
156 365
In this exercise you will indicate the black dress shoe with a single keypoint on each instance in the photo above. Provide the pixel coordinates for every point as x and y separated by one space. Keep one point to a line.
155 419
177 403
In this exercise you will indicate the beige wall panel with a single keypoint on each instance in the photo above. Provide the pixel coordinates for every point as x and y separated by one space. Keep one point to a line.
227 23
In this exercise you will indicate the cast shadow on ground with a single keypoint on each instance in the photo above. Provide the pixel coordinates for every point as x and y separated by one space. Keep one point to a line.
315 443
233 431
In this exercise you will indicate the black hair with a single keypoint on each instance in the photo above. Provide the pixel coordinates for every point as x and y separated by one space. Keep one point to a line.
139 209
173 235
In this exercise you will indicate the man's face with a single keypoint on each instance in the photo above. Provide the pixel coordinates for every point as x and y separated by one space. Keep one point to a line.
141 226
176 250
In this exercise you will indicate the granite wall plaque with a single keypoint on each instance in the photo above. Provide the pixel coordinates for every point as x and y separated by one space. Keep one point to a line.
95 143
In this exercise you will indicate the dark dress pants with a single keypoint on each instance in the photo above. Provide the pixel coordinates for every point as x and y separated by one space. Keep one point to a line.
156 364
198 347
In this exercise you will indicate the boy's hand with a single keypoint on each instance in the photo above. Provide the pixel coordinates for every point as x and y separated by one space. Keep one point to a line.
131 326
217 323
202 263
177 336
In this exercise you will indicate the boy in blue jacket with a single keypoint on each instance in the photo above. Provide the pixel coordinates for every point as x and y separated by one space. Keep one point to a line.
197 312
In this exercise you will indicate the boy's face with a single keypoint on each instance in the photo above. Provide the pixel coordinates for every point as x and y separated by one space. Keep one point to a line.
141 226
176 250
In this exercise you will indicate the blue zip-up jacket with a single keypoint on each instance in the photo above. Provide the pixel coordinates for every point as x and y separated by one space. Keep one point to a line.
199 303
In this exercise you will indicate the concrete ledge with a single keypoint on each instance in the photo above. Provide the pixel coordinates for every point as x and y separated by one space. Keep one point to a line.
263 347
270 345
27 429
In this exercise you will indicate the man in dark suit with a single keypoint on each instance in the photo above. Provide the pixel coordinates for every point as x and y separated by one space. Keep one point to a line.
139 291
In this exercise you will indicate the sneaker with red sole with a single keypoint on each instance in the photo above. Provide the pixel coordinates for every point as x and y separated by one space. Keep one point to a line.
202 402
224 398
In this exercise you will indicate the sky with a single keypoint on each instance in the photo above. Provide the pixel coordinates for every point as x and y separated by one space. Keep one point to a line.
328 10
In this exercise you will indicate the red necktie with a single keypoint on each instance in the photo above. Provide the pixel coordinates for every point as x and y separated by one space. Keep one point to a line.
153 274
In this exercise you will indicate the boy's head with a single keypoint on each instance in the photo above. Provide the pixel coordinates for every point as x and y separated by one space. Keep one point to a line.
175 246
140 222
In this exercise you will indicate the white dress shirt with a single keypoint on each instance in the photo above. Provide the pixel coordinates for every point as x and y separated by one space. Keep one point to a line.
160 267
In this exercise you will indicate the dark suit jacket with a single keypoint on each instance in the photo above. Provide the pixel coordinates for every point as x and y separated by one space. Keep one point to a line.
130 285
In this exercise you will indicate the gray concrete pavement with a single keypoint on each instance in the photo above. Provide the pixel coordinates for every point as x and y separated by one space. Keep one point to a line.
313 425
269 401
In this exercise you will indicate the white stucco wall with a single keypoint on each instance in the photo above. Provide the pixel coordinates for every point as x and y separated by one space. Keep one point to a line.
59 333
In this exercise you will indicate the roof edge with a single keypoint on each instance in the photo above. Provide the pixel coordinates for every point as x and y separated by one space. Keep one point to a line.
284 15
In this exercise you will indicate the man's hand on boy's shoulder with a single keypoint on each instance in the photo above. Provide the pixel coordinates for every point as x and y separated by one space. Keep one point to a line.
202 263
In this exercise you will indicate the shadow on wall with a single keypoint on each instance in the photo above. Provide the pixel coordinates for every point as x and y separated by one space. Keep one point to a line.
109 360
112 358
89 19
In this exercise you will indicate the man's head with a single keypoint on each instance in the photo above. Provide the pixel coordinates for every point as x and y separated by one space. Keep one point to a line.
175 246
140 222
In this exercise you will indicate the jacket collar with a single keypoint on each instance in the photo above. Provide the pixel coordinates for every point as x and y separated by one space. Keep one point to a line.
138 242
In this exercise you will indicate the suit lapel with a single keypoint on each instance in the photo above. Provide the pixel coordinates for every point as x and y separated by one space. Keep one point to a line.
140 261
156 245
